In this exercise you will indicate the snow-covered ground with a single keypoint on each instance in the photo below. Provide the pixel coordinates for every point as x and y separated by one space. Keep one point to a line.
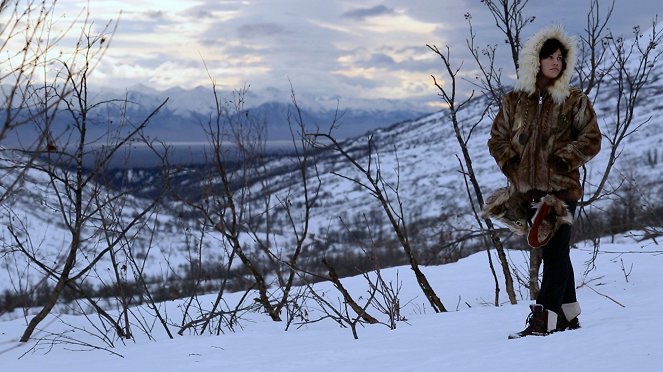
621 297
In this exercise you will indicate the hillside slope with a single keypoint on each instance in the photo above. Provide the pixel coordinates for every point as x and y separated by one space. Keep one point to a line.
418 157
620 330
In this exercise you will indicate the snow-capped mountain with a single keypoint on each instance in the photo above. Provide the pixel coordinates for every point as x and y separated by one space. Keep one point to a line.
186 114
189 109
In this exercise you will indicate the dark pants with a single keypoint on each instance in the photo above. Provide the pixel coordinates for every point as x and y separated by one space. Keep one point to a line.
558 282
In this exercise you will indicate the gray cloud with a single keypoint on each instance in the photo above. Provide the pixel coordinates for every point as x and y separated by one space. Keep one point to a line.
327 48
203 13
358 82
146 22
258 30
156 14
210 8
362 13
141 26
381 58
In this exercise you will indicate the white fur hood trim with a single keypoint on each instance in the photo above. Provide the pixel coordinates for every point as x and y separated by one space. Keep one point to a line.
529 63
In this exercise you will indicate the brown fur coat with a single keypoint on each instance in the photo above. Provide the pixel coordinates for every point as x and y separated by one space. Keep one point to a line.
540 143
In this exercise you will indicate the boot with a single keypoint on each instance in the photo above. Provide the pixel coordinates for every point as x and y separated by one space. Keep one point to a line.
540 322
568 320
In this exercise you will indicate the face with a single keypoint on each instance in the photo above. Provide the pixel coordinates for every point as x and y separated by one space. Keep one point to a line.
551 66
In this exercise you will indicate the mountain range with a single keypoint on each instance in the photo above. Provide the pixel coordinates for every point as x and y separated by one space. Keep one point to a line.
184 117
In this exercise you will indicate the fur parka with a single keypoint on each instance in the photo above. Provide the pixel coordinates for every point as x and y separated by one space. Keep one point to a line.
541 139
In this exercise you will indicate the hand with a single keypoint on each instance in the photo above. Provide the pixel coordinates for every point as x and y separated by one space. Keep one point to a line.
512 163
558 164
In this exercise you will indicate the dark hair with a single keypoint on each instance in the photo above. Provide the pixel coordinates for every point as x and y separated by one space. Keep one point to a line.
550 47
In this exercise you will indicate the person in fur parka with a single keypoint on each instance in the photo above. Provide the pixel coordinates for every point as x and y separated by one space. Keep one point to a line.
544 132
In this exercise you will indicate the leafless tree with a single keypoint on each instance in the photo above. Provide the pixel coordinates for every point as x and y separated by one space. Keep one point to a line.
388 196
387 298
475 212
31 89
339 309
242 202
621 67
592 65
510 20
448 94
629 70
306 164
347 298
81 202
127 226
234 138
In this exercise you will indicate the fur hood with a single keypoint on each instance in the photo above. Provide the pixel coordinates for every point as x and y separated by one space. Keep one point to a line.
529 63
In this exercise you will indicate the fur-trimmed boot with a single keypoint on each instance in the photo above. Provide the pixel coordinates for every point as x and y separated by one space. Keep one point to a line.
551 213
568 319
540 322
508 207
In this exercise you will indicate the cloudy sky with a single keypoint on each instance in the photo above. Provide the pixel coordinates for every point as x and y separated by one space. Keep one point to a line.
351 50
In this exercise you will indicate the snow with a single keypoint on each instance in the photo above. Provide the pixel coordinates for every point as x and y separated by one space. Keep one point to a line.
620 326
620 330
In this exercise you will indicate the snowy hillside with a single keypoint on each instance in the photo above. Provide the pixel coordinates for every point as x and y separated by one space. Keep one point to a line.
421 155
620 330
